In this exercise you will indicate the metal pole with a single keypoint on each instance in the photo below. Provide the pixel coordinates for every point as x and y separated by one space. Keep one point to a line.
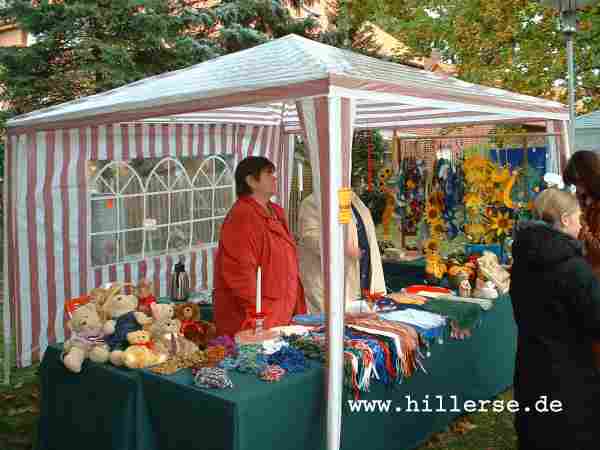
6 291
571 61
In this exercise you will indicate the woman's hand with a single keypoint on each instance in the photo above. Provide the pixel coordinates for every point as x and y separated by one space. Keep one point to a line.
352 250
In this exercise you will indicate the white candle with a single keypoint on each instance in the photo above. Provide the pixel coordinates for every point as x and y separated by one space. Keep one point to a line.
258 289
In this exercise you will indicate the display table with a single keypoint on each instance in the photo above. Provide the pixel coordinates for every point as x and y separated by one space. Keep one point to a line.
105 407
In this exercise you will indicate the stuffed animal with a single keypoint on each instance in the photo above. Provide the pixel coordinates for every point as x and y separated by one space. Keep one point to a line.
145 294
168 339
162 311
87 339
200 332
140 352
124 319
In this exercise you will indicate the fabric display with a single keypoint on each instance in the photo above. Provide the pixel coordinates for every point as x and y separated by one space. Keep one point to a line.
273 346
250 359
272 373
215 354
309 345
289 359
224 341
466 315
428 325
359 366
421 319
212 378
309 319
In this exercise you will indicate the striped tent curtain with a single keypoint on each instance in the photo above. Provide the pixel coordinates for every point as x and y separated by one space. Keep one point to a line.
49 213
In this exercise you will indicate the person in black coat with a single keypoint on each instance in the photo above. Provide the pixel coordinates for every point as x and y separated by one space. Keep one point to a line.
556 302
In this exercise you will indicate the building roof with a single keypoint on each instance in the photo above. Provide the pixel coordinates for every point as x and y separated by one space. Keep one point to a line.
266 79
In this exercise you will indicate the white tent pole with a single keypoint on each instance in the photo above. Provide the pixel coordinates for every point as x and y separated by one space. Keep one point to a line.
569 143
6 291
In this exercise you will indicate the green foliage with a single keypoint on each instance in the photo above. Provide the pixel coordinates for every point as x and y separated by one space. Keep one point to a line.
513 44
246 23
84 47
360 146
375 199
350 27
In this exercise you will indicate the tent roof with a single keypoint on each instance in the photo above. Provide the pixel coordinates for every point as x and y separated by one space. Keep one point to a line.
588 121
272 75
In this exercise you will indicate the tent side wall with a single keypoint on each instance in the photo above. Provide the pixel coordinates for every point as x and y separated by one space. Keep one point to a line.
50 218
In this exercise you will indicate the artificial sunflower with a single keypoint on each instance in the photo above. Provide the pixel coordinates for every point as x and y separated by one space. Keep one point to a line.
501 175
433 214
501 223
410 185
473 200
431 247
475 231
475 163
438 229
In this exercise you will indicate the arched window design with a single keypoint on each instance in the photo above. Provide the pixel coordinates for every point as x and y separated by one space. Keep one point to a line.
168 203
149 207
117 210
213 196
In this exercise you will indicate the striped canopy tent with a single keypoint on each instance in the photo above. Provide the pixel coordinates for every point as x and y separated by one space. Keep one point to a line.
250 102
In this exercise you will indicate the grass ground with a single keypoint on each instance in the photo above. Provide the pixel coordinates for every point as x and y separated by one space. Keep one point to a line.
19 412
19 405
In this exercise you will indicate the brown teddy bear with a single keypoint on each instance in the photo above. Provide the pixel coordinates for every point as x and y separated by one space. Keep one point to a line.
198 331
87 339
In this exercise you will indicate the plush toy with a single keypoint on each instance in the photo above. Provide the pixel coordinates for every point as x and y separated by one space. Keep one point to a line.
145 294
162 311
140 352
168 339
124 319
87 339
200 332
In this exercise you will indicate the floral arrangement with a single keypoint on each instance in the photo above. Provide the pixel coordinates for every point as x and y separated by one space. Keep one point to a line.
489 206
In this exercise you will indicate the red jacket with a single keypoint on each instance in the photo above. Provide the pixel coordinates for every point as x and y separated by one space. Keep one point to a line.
249 238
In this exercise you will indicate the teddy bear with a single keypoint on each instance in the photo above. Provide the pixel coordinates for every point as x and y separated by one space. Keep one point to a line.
121 309
140 352
168 339
145 293
87 339
200 332
160 311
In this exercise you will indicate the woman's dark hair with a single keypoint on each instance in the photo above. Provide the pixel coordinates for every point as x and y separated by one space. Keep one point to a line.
584 168
252 165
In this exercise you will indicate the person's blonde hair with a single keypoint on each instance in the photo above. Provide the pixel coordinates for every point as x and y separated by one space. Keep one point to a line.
552 204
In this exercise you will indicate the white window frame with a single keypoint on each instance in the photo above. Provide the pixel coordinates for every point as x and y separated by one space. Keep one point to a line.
213 186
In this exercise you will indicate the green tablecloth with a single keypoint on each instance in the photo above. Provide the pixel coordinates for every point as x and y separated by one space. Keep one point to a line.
105 407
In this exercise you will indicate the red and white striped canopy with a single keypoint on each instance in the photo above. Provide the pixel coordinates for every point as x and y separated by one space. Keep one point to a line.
260 85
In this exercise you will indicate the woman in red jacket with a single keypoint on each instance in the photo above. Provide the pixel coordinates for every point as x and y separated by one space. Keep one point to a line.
255 233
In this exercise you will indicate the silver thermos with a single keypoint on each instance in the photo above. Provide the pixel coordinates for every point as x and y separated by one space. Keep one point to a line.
180 282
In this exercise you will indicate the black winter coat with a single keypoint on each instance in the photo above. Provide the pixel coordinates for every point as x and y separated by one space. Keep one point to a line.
556 302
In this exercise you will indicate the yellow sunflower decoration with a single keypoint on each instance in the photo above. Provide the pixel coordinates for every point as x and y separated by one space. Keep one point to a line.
431 246
473 200
500 224
433 214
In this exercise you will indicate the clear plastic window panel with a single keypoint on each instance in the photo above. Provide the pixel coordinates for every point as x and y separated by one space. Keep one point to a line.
149 207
